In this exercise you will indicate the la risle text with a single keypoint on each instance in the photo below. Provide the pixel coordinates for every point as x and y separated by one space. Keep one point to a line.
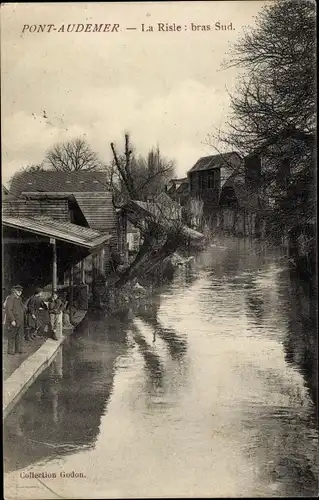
116 28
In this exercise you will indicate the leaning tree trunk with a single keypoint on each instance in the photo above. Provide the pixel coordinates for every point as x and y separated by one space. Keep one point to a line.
153 251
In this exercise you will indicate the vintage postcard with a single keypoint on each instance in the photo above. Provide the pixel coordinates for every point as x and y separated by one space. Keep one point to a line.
159 249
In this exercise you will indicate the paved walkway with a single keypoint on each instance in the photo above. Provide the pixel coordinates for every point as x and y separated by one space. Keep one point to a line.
20 370
12 362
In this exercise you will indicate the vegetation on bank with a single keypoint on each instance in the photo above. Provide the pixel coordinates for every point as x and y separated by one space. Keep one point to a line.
273 112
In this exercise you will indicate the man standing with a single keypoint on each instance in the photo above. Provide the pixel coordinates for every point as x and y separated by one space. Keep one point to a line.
14 311
35 305
55 309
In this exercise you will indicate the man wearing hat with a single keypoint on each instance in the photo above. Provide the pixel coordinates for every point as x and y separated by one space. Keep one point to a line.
35 304
14 320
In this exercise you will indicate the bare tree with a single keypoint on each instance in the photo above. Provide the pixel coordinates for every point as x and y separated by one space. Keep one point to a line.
139 177
73 156
152 173
277 90
163 233
273 107
158 219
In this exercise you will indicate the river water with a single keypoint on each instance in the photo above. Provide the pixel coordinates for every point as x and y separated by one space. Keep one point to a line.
206 390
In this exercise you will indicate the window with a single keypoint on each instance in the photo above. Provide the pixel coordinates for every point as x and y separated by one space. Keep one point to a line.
212 180
201 183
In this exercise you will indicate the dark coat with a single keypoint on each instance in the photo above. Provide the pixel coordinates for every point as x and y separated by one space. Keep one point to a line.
55 306
14 310
33 308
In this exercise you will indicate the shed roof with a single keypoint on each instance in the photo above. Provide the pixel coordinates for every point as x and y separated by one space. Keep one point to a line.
62 182
216 161
97 207
63 231
98 210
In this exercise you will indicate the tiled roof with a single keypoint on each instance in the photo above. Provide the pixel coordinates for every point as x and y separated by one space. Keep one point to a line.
98 210
184 186
58 182
63 231
216 161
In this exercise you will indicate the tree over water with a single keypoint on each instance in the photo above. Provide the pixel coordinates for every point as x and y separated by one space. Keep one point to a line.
273 107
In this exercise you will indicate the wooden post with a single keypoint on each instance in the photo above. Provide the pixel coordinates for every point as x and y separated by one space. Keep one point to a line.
71 293
82 271
94 294
54 265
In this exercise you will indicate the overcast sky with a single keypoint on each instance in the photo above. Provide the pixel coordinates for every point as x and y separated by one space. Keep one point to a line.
162 87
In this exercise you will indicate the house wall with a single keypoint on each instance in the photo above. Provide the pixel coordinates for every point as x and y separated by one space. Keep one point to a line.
205 186
55 208
238 222
228 220
94 267
92 271
98 266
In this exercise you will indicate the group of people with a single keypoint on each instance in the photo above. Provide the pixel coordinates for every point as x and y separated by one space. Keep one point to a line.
23 321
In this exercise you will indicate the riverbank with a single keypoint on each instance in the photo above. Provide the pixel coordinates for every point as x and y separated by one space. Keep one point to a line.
22 369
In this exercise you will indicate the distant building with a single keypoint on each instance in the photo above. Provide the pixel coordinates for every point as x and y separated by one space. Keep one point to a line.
226 193
178 190
206 179
240 209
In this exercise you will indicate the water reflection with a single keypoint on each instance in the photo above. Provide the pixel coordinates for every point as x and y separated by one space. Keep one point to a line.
287 457
153 363
176 344
79 381
255 303
203 391
301 342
